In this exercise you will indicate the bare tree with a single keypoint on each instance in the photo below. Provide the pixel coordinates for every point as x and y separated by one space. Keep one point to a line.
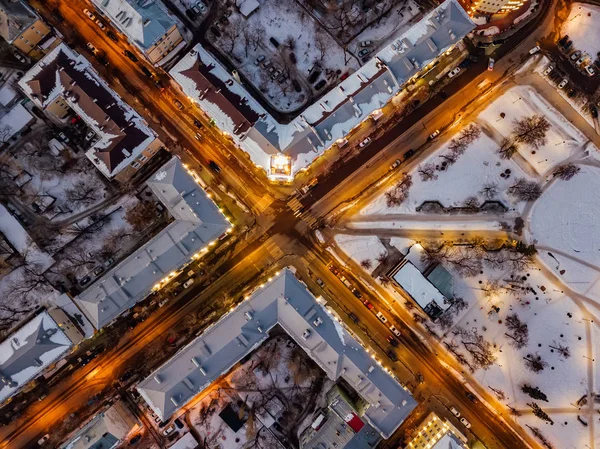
6 132
427 172
540 436
489 190
470 133
83 193
141 215
518 331
535 363
399 192
563 351
566 172
471 202
382 256
321 45
230 35
525 190
481 350
450 158
532 130
366 264
537 411
508 147
290 42
464 260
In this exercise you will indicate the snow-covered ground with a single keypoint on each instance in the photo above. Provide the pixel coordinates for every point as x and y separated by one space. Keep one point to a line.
361 249
245 39
563 139
582 28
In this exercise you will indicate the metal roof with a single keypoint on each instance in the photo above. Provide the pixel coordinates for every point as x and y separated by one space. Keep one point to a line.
15 17
198 221
286 302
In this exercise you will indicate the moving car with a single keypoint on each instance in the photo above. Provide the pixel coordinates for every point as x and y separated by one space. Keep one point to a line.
197 123
365 142
135 439
130 55
187 283
454 72
88 13
178 104
395 331
214 167
91 47
100 24
534 50
491 63
455 412
391 340
112 36
381 317
434 134
320 282
465 422
368 304
395 164
563 83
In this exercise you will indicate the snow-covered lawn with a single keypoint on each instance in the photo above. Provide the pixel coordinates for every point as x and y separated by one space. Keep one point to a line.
582 28
361 248
245 39
562 139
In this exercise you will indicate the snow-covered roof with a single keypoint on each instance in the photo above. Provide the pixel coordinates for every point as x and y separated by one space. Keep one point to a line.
419 287
123 134
286 302
333 116
198 222
247 7
144 22
28 351
17 118
185 442
105 430
15 18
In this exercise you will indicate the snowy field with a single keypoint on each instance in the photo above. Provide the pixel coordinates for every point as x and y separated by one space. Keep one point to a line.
562 140
245 39
582 28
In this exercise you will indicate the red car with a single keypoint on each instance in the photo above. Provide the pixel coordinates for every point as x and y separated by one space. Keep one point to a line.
368 304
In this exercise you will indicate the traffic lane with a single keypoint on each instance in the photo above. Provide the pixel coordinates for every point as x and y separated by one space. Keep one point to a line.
420 359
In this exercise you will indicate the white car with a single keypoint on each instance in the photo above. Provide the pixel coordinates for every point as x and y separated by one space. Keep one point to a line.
534 50
454 72
171 428
88 13
590 70
395 331
547 70
187 283
90 135
100 24
381 317
434 134
466 423
91 47
43 440
563 83
365 142
455 412
365 43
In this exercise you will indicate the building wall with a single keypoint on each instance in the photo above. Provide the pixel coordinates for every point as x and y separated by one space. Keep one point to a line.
66 325
29 38
140 161
58 108
496 6
162 48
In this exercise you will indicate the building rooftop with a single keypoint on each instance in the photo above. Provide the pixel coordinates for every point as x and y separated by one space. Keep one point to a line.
15 17
198 222
435 433
28 351
144 22
105 430
286 302
123 134
330 118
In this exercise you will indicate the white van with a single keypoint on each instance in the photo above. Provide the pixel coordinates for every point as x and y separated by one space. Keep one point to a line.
187 283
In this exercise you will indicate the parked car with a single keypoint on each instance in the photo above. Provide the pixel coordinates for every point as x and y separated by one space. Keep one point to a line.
178 423
491 63
563 40
575 55
196 10
108 262
366 43
178 104
85 280
99 269
395 331
471 396
62 136
547 70
466 423
367 304
534 50
197 123
19 57
214 167
90 135
454 72
296 85
455 412
590 70
43 440
356 292
281 79
88 13
260 59
434 134
395 164
198 136
274 42
100 24
112 36
146 71
135 440
91 47
364 52
581 60
130 55
381 317
365 142
320 84
188 283
563 83
409 153
293 58
169 430
275 74
314 76
594 111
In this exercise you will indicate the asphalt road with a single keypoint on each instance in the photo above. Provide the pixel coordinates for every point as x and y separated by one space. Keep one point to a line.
276 243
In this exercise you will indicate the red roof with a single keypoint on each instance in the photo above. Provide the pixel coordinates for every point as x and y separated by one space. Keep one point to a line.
354 422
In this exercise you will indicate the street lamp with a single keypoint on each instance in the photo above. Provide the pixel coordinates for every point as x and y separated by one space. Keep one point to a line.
593 360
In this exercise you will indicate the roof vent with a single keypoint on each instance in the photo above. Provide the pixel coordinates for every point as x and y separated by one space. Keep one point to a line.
157 379
248 315
317 322
196 362
174 401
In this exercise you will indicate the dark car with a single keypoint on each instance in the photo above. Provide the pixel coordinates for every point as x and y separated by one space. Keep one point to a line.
353 317
197 123
391 340
392 355
293 58
320 84
146 71
357 293
130 55
112 36
159 84
465 64
85 280
471 396
191 14
214 166
594 111
313 76
274 42
135 440
409 153
178 423
296 85
126 376
102 59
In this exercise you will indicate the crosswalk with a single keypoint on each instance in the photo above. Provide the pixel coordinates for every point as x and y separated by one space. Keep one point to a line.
306 216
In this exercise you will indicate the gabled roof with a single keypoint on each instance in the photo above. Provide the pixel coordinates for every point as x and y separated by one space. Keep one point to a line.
198 221
15 17
28 351
286 302
332 116
123 133
143 21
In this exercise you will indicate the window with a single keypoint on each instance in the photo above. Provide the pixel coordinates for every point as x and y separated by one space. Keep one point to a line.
142 158
136 165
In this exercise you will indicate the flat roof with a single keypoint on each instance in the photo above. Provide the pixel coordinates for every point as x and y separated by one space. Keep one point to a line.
283 301
419 287
198 222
